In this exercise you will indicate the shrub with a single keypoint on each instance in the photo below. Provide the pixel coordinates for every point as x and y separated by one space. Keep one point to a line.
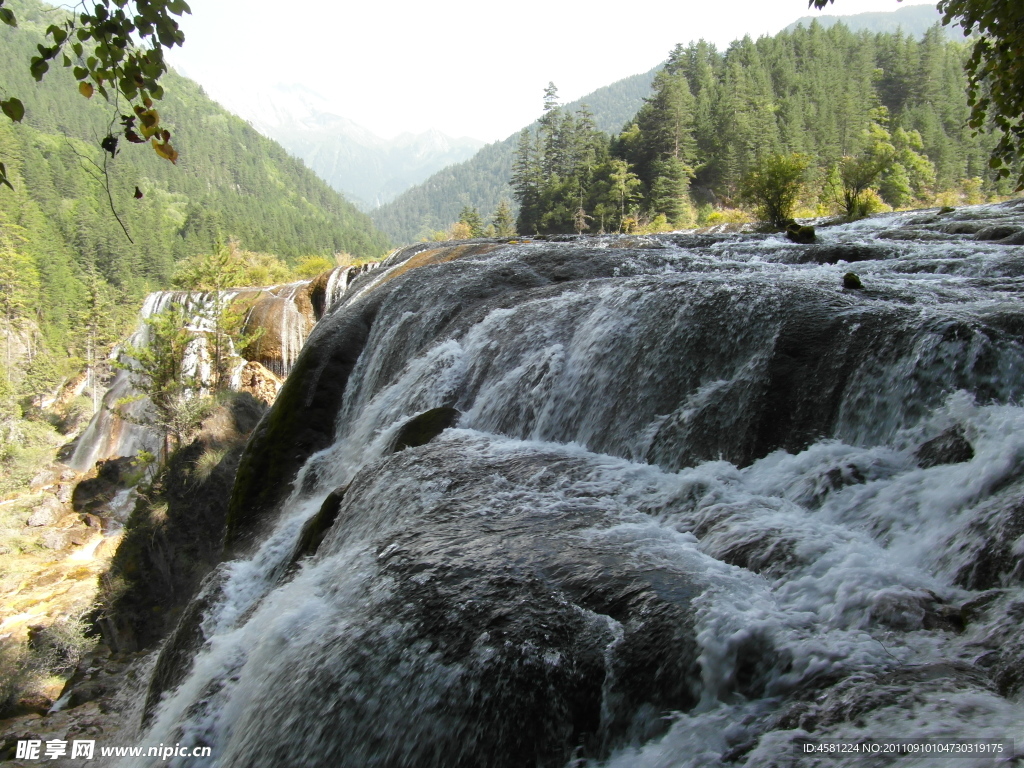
774 185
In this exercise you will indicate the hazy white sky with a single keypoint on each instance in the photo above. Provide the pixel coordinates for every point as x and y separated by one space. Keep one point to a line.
465 67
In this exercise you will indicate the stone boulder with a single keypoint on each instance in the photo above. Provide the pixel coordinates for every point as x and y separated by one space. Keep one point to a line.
48 512
951 447
96 493
998 232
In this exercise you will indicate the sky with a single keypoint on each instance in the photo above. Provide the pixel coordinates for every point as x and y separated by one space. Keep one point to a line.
463 67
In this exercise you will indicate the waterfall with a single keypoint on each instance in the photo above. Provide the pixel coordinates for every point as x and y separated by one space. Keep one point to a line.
280 317
702 505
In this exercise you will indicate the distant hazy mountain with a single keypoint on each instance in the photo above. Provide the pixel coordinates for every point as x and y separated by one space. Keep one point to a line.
367 169
483 180
914 20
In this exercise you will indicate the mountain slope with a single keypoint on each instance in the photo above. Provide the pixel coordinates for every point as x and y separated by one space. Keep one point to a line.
366 168
230 183
482 181
913 20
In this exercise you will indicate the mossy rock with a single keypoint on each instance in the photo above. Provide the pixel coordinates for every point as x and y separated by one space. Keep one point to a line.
316 528
852 282
421 429
804 235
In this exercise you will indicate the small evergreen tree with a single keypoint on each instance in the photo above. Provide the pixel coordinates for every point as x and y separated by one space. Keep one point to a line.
159 373
504 224
471 218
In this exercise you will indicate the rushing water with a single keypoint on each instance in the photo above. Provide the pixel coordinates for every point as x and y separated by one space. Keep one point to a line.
702 506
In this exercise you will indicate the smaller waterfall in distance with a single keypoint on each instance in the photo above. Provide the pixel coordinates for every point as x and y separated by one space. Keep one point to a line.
701 505
285 313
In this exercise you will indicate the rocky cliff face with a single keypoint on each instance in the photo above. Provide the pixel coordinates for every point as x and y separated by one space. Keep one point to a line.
277 319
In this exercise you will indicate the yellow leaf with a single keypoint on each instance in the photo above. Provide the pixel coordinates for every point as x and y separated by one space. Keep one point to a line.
150 121
85 89
165 150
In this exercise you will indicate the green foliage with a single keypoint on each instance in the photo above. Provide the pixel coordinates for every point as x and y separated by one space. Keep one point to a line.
484 180
25 447
879 118
115 48
69 279
159 373
774 185
995 71
470 217
311 266
853 177
503 221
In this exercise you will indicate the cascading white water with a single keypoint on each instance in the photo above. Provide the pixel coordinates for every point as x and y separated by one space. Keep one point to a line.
279 317
685 519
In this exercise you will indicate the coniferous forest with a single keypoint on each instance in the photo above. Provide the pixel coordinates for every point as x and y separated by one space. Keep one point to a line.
821 94
835 102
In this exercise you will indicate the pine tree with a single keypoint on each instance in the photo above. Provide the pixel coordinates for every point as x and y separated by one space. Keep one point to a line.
504 224
470 216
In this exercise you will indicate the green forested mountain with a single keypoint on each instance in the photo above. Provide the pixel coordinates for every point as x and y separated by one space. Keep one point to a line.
887 108
482 181
812 89
229 183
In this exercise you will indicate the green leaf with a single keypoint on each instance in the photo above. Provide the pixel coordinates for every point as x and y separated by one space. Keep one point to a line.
7 17
3 176
81 73
38 67
13 108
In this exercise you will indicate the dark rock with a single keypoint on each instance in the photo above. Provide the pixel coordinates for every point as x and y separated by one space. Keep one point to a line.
998 232
962 227
316 528
951 447
947 209
985 546
175 535
9 743
833 253
112 476
175 659
916 235
564 647
421 429
283 440
33 703
800 234
852 282
1015 239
